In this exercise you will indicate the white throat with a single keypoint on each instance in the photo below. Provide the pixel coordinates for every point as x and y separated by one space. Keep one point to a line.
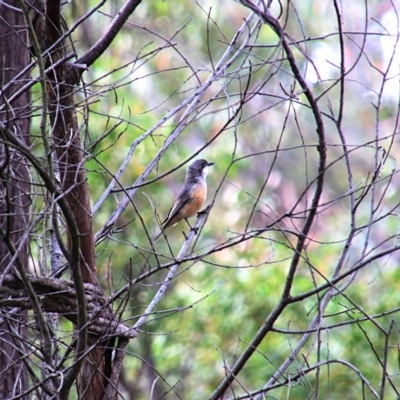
205 171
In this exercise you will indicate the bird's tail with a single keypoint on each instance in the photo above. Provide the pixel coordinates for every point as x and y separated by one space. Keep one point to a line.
156 237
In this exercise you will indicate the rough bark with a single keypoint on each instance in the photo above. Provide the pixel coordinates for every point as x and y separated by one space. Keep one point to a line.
14 189
65 136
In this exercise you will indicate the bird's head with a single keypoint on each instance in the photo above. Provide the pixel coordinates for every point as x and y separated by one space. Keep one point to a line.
199 168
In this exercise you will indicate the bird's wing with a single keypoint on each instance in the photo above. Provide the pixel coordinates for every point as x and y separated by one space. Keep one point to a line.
183 198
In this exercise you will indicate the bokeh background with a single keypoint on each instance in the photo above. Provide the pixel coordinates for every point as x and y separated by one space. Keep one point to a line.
266 163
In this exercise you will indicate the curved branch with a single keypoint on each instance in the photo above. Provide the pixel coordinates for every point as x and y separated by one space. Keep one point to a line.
285 298
58 296
109 35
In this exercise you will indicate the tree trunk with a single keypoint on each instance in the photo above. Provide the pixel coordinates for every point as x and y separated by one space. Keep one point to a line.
14 192
92 379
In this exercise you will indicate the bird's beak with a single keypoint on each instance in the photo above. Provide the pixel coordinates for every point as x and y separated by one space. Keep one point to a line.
210 163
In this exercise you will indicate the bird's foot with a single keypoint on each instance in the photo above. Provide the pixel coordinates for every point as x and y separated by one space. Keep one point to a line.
205 211
190 226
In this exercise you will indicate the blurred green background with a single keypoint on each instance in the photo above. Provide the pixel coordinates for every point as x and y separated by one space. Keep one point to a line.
215 306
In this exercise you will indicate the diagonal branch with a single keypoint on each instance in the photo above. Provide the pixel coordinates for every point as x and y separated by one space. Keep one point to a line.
109 35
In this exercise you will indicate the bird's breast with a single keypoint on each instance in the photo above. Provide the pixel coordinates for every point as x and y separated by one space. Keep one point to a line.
199 194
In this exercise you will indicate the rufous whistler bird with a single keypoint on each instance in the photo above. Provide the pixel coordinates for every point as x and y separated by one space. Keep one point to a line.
191 197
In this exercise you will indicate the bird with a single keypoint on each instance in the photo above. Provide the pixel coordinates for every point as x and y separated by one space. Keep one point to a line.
191 197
